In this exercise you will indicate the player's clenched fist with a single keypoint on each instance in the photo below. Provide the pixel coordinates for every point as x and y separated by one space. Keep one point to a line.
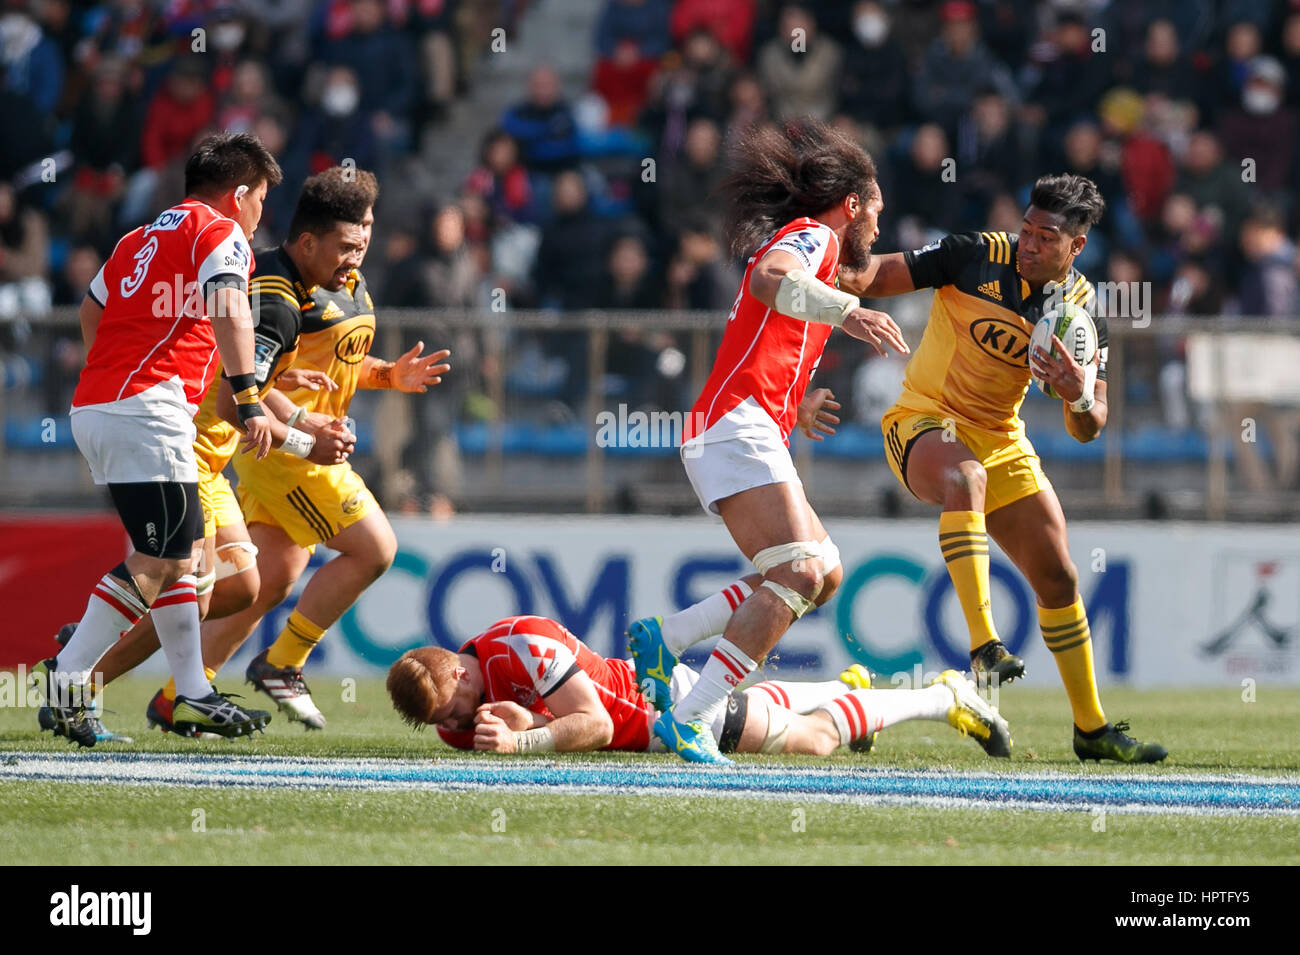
334 442
876 329
492 733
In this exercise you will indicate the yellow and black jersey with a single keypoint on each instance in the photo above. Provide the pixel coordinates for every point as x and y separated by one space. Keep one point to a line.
278 298
337 332
973 361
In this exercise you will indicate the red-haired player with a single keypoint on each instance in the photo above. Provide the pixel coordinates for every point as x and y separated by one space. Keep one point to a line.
526 684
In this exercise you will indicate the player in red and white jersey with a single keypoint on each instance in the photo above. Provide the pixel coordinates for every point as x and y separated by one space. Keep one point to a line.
526 684
172 295
804 199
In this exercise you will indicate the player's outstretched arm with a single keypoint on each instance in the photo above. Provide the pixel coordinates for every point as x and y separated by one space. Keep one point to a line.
413 373
581 723
884 275
779 282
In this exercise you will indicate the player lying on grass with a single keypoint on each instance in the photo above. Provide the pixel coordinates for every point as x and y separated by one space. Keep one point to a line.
802 199
955 437
526 684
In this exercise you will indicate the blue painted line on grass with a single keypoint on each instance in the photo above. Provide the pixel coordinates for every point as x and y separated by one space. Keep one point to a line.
1182 793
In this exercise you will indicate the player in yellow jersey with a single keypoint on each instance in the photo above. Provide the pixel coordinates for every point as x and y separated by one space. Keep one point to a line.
955 437
328 239
291 505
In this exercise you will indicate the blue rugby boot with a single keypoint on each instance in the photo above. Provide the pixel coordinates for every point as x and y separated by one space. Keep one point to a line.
692 741
653 660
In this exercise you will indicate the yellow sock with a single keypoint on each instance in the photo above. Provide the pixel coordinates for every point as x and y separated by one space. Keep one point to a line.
169 691
295 643
1066 633
965 547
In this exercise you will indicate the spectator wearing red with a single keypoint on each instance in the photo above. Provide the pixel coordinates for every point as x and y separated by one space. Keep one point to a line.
179 111
623 82
731 21
1145 162
501 180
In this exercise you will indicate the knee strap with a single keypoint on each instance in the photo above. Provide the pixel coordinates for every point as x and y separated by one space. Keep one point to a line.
830 556
770 557
204 583
242 557
778 728
797 602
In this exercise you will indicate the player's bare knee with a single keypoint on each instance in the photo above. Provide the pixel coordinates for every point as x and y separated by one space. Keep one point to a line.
830 584
1058 586
964 483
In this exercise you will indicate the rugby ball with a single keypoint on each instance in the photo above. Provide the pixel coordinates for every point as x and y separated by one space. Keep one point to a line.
1075 328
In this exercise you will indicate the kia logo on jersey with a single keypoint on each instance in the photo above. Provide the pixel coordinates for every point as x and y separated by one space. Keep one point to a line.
354 346
1002 339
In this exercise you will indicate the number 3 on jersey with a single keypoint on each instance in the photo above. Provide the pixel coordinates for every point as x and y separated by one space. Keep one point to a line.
131 284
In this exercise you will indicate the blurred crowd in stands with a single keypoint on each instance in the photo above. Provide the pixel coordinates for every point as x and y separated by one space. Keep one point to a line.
1185 112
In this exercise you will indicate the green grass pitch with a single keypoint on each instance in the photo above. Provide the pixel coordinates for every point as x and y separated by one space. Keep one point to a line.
1207 731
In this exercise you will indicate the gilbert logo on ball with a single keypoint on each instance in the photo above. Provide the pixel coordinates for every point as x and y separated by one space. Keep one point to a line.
1075 328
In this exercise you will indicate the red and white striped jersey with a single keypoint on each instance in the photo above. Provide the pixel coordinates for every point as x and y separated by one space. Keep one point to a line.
526 659
154 334
766 356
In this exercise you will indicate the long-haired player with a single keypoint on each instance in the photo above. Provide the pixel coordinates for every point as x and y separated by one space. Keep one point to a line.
803 199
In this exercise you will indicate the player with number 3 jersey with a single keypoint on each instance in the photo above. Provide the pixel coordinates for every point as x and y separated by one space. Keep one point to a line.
171 296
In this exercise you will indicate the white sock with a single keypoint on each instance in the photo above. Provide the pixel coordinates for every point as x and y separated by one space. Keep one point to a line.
727 666
112 610
860 712
176 618
801 697
702 620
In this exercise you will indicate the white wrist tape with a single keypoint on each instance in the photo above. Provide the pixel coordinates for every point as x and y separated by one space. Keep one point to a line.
1087 399
539 740
807 297
298 414
298 443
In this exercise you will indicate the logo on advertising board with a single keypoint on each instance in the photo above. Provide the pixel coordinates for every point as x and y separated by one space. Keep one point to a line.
1255 628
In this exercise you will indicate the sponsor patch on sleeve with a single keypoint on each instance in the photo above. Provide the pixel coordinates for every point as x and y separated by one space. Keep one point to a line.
806 245
265 351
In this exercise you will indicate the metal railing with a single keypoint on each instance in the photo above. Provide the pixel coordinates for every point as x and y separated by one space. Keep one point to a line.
1110 482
